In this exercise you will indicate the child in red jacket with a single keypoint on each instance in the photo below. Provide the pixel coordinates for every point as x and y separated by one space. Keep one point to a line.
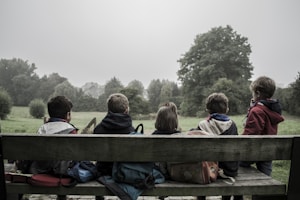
263 116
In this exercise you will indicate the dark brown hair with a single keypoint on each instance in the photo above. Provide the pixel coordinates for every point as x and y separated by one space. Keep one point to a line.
217 103
59 107
166 118
264 85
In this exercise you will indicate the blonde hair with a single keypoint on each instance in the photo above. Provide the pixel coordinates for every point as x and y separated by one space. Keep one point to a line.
118 103
166 118
217 103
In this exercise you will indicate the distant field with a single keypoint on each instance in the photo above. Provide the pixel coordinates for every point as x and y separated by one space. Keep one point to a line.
20 121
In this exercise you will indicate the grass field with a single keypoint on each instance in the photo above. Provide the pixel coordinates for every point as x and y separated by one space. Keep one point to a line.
20 121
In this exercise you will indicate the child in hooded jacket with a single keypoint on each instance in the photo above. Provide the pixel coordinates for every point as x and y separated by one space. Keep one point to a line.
263 116
218 123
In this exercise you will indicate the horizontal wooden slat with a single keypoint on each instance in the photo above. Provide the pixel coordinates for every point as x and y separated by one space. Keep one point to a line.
257 185
145 147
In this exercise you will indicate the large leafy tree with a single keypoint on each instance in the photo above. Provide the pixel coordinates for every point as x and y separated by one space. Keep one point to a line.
138 105
137 85
114 85
219 53
47 85
19 79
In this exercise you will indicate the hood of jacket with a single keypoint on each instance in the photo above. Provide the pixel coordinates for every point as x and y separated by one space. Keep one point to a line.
273 115
117 122
57 127
272 104
216 124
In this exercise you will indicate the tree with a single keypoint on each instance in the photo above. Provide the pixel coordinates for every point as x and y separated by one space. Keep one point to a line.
86 103
137 104
5 104
238 101
19 80
37 108
219 53
293 100
114 85
93 89
47 85
154 90
67 90
24 89
137 85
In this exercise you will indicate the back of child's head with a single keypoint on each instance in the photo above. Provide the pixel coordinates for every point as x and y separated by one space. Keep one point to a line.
118 103
217 103
263 85
59 107
166 118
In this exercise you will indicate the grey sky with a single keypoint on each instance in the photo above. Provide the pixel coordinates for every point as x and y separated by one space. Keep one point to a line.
95 40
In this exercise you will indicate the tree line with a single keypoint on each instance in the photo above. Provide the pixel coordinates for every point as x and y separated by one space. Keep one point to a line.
218 61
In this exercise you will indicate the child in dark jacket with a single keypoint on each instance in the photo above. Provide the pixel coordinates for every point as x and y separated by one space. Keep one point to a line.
218 123
116 121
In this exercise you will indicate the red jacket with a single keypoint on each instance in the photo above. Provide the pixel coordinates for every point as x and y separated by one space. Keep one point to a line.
262 120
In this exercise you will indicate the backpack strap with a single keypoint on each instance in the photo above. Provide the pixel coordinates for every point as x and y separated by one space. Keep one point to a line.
113 187
227 179
140 126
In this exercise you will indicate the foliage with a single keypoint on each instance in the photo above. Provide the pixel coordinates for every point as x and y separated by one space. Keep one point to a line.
163 91
93 89
153 91
114 85
294 104
5 104
102 105
138 105
289 97
85 103
37 108
19 80
47 85
137 85
219 53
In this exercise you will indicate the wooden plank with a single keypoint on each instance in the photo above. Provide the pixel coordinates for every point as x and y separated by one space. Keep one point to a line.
146 148
250 181
267 187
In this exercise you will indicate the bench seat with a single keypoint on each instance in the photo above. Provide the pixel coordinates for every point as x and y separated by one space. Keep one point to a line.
249 181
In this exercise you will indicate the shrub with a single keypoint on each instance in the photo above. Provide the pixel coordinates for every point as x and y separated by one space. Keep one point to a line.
5 104
37 108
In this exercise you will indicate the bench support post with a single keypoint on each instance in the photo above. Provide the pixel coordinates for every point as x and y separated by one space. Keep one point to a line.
2 176
293 192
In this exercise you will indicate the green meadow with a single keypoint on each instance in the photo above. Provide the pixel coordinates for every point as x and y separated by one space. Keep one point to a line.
20 121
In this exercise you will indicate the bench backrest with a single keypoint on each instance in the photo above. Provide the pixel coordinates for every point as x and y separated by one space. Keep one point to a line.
176 148
146 147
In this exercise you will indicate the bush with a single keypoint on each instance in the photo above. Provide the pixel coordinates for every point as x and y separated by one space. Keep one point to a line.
37 108
5 104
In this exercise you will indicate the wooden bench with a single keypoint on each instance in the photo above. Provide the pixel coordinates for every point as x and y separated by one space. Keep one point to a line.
160 148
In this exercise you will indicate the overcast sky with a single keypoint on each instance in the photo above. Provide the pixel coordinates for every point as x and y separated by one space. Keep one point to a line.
95 40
